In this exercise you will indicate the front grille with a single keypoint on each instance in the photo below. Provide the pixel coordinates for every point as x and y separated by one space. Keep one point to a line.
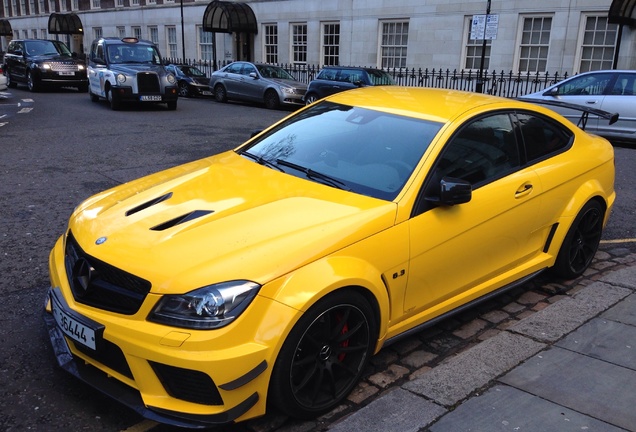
63 66
109 355
147 82
188 385
101 285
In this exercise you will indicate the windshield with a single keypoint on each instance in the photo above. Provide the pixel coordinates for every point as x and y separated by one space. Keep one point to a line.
45 47
267 71
365 151
131 53
379 77
191 71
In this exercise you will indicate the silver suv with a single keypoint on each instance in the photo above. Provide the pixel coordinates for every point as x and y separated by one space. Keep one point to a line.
129 70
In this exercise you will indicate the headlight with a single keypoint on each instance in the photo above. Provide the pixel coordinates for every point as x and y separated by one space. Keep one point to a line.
171 79
288 90
121 78
45 66
206 308
80 67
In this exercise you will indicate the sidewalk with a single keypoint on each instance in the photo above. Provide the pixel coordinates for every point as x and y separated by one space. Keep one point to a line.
568 367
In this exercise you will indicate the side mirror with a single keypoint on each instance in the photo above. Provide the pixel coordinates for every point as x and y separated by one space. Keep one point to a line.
452 191
554 91
253 75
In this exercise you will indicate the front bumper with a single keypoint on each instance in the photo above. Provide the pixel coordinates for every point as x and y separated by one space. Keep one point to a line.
126 94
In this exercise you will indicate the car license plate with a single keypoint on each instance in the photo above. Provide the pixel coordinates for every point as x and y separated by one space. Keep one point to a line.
72 327
150 98
65 73
206 93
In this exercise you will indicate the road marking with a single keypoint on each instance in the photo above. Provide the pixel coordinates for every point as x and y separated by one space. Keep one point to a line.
141 427
632 240
24 110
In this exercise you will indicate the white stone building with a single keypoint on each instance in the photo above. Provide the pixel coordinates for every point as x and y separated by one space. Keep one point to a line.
564 36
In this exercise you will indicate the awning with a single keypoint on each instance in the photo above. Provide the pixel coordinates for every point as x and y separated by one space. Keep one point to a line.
65 24
623 12
5 28
229 17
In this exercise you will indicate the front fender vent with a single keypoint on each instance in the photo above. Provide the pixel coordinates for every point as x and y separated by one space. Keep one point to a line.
181 219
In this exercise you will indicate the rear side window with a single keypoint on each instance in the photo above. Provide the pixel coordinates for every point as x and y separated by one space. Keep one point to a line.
542 137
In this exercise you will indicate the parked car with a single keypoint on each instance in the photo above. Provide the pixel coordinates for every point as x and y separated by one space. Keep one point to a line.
192 81
270 274
334 79
255 82
3 79
129 70
607 90
40 63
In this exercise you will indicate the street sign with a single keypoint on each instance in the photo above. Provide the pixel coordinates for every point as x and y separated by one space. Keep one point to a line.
484 27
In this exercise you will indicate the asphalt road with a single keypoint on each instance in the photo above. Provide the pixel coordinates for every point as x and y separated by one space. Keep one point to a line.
58 148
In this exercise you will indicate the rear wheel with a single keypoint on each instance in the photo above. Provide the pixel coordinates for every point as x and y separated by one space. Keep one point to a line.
10 82
220 94
581 242
324 355
271 99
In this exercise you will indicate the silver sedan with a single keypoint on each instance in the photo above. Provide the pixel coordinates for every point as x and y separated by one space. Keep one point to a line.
255 82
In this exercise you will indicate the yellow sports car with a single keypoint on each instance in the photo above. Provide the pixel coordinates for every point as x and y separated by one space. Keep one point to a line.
272 273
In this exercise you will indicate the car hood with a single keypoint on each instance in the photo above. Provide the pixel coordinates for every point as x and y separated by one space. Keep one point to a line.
53 57
219 219
132 68
288 83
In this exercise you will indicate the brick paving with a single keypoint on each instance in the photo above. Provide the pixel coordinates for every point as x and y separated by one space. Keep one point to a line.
414 356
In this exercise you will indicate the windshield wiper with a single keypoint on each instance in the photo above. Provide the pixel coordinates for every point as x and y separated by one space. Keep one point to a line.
261 160
314 175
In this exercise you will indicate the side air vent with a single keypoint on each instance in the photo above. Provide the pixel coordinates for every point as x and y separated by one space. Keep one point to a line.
181 219
148 204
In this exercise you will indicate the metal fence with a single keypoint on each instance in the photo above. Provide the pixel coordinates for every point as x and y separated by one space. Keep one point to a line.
506 84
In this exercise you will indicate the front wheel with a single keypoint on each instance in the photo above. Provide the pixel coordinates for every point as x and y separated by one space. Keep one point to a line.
271 99
172 105
311 98
113 101
324 355
183 89
581 242
32 83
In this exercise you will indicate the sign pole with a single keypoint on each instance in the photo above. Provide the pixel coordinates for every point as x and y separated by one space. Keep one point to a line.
480 79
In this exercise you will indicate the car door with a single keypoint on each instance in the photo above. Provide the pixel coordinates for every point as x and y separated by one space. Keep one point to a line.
621 99
463 251
252 84
16 61
232 79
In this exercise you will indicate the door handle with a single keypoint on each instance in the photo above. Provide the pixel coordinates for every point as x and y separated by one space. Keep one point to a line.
524 190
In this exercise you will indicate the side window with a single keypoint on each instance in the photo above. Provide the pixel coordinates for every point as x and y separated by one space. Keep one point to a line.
542 137
482 151
625 85
248 69
234 68
593 84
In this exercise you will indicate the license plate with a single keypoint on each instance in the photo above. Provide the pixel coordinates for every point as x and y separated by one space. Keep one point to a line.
67 73
150 98
206 93
72 327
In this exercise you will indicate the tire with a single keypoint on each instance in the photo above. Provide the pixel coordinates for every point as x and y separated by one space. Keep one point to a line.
32 83
581 242
324 355
113 101
183 89
172 105
271 99
94 97
311 98
10 82
220 94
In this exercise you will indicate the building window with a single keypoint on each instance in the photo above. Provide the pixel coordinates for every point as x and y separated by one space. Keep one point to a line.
7 9
96 4
205 44
14 7
136 31
51 6
63 7
299 43
97 32
535 40
171 37
474 49
134 2
34 33
331 44
270 41
149 2
41 7
74 5
119 3
599 44
43 34
23 9
393 43
153 34
32 7
121 32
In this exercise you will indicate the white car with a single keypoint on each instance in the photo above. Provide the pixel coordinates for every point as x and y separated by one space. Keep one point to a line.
608 90
3 80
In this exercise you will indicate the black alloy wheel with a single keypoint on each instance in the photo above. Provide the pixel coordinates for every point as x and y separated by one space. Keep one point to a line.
10 82
32 82
581 242
311 98
220 94
183 89
271 99
324 356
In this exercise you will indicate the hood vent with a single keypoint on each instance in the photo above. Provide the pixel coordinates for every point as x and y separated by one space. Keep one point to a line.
148 204
181 219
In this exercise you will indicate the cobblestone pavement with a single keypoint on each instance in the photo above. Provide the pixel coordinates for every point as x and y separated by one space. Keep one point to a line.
415 355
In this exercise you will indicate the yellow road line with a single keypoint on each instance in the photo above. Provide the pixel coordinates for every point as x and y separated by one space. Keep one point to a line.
632 240
144 426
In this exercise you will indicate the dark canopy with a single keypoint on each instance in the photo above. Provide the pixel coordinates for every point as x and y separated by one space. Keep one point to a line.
65 24
5 28
229 17
623 12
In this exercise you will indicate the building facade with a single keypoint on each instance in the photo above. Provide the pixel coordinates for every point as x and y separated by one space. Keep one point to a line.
564 36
